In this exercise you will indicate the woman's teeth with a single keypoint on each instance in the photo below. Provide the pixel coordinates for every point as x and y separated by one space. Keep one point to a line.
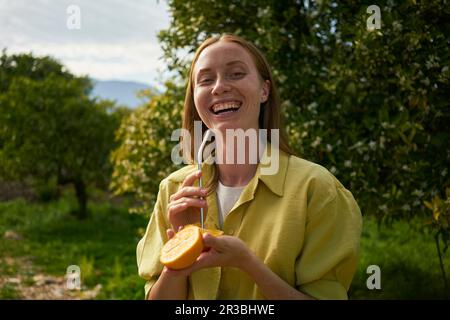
226 107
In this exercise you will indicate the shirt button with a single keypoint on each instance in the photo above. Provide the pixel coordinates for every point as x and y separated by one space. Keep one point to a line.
230 232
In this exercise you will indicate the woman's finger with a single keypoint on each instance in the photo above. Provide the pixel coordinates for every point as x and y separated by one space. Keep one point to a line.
174 210
190 202
203 261
212 242
190 179
207 259
170 233
188 192
177 214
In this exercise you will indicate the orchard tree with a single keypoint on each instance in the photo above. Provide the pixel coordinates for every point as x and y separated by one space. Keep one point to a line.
370 105
49 127
143 157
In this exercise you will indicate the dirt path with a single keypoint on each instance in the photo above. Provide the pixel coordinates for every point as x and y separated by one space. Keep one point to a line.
20 279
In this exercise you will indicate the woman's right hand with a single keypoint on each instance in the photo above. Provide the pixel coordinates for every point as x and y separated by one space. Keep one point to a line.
184 205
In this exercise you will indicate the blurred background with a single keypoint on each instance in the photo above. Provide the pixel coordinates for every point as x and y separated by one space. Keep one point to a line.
91 92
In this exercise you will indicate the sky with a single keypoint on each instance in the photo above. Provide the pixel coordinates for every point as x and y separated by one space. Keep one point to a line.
105 39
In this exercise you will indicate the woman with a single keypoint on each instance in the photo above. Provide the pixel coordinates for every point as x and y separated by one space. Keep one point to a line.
290 235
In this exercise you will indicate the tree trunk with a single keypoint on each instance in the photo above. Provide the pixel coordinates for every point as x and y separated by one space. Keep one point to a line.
80 189
441 263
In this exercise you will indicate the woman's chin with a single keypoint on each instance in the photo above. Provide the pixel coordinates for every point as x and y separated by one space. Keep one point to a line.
227 125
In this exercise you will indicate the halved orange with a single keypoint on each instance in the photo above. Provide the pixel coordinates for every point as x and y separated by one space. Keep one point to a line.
214 232
183 249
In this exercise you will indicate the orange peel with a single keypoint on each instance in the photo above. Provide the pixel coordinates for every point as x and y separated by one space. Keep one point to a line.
185 247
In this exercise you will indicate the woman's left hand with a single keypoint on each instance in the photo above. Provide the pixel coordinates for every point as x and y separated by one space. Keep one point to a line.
222 251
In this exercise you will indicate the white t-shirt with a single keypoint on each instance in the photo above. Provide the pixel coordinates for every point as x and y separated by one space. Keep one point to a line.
226 199
228 196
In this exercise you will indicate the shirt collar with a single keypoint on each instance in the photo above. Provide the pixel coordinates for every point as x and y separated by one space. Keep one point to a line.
276 164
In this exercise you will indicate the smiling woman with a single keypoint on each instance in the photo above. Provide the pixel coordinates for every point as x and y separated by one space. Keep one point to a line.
293 234
227 85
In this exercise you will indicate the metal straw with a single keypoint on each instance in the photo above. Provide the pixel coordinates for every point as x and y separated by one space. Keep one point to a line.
207 136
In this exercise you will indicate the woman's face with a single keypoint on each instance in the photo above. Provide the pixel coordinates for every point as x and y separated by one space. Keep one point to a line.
228 90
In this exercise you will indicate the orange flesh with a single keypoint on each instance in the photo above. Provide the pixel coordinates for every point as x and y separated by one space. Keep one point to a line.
183 249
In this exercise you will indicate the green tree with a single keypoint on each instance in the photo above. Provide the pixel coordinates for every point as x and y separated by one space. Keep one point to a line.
372 106
143 157
49 127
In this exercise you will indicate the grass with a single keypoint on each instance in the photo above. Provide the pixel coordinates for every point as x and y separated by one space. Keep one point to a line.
8 292
103 246
408 262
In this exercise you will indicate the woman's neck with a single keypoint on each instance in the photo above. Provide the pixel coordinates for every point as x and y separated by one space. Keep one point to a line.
231 175
235 174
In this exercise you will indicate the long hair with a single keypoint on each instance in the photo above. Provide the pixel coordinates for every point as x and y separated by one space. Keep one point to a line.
270 111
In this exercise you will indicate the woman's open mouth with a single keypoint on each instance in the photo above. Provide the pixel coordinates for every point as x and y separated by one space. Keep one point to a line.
225 107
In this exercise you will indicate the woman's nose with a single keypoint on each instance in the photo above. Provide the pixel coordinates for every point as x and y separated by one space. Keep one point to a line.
220 86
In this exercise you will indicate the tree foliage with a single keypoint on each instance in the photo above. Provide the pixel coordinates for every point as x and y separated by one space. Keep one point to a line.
50 128
143 158
372 106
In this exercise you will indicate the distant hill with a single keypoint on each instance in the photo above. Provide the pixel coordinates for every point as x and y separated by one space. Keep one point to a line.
123 92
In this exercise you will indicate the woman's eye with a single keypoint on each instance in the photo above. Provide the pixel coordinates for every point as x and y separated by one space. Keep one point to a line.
205 80
237 74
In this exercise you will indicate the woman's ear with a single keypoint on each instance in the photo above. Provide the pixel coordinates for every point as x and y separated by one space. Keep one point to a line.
265 91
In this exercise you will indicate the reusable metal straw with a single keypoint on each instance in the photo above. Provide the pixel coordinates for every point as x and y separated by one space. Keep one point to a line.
207 136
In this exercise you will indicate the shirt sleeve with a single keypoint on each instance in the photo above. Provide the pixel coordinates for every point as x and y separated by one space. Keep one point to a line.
329 258
149 247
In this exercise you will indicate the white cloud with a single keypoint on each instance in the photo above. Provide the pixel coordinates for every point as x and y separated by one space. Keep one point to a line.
117 39
126 61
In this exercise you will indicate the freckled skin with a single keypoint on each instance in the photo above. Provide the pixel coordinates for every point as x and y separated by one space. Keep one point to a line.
239 80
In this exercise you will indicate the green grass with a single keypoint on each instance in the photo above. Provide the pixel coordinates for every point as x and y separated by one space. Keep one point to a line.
104 245
408 261
8 292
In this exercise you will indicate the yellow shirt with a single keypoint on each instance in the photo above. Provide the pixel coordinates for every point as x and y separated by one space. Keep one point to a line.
301 222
